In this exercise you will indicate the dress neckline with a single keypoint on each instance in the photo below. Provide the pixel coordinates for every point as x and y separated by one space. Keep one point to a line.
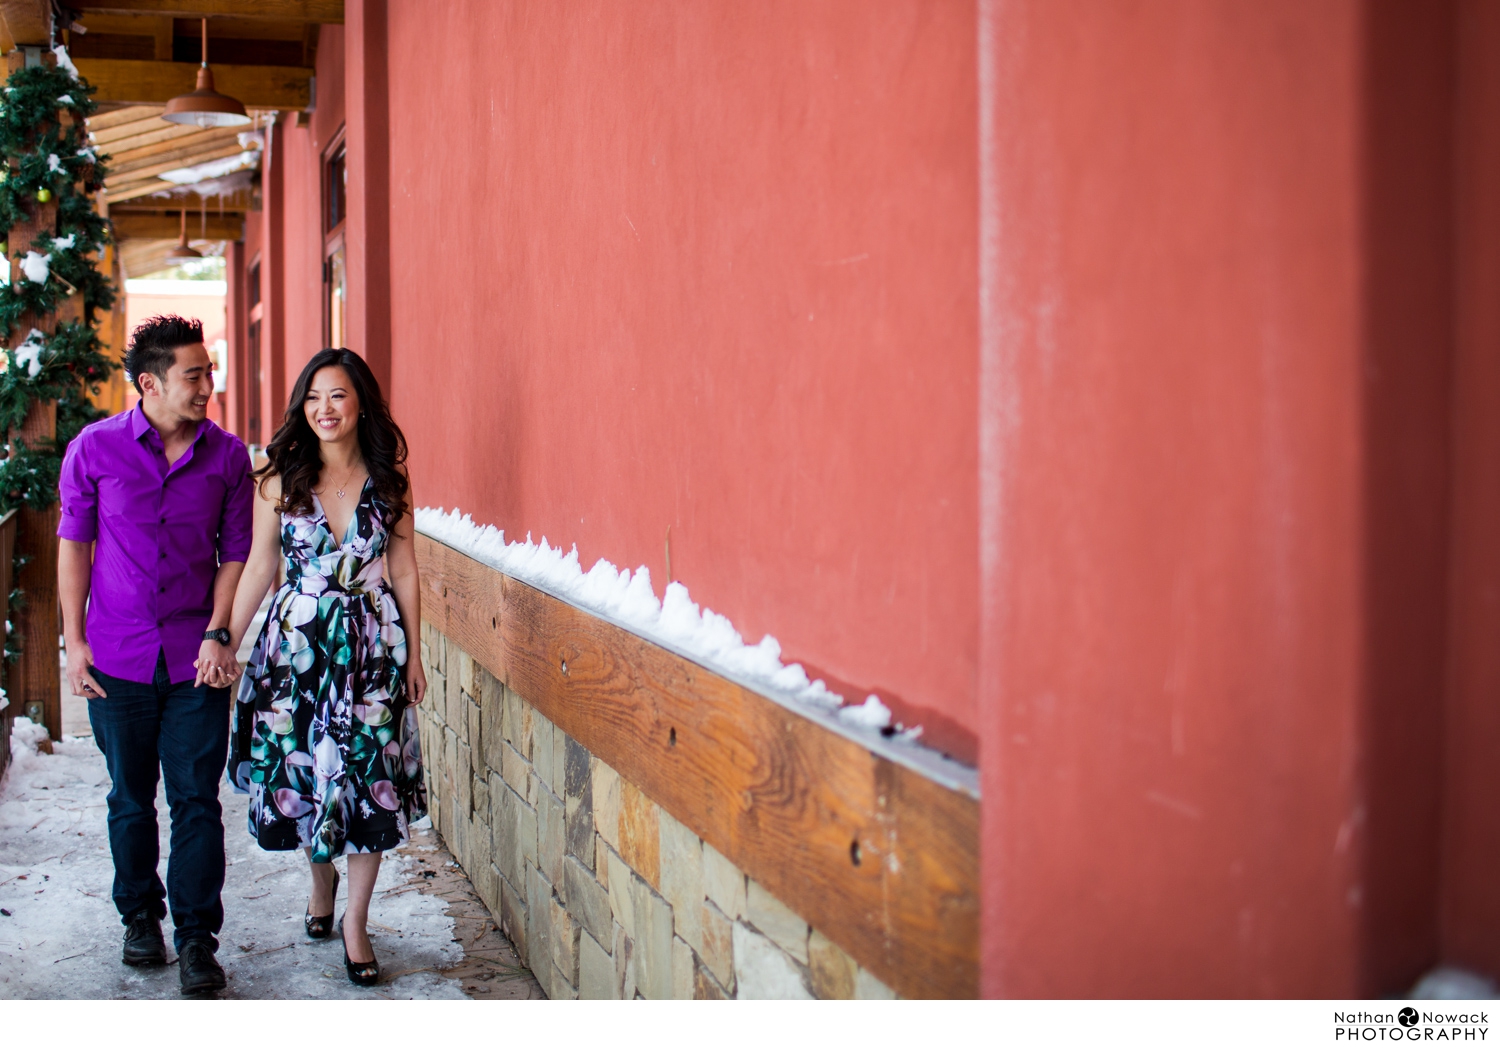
353 517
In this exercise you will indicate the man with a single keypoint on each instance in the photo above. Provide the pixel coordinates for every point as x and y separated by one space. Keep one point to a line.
156 525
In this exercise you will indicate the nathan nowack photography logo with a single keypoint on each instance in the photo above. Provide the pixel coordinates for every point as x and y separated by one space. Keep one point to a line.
1410 1025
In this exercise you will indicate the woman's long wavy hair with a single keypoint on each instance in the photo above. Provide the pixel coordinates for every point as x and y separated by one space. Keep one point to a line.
295 453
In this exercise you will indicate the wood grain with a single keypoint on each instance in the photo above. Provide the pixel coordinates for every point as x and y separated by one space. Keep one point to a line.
141 81
879 858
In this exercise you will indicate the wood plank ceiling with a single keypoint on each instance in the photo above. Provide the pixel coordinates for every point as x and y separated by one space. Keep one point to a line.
139 53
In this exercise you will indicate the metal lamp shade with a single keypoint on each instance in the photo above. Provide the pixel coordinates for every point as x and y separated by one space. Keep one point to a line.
205 107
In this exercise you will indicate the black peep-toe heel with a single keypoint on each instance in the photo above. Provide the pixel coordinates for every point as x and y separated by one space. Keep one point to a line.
363 974
318 927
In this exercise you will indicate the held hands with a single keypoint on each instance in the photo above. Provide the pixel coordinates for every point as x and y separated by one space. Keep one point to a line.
217 667
80 664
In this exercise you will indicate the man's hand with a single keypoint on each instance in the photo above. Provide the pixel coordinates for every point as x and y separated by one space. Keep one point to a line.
80 663
217 667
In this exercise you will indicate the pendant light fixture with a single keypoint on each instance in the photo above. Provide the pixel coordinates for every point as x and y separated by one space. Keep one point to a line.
204 106
182 251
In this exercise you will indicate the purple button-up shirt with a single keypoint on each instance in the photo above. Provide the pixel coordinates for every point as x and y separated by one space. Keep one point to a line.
160 534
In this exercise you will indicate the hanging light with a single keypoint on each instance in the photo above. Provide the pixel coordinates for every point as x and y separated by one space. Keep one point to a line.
204 106
182 251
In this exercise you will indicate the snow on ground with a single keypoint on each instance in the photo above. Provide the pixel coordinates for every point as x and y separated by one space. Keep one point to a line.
62 936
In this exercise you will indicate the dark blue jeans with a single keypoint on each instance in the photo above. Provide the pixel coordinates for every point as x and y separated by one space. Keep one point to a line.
184 730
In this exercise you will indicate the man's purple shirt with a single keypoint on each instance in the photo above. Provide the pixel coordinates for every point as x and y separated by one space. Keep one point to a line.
159 535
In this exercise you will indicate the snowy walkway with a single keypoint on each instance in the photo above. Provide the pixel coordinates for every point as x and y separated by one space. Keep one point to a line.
60 934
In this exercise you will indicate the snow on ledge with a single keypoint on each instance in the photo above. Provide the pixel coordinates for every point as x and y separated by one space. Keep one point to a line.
675 622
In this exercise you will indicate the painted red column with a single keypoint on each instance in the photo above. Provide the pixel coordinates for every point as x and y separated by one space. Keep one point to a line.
236 381
1215 346
1471 821
367 140
273 280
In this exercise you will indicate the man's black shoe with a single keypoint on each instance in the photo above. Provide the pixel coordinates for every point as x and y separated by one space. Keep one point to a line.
200 971
143 943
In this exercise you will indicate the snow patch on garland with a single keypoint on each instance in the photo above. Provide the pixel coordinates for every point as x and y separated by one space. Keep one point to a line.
675 620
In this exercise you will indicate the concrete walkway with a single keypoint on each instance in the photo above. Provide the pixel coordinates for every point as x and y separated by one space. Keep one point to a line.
60 934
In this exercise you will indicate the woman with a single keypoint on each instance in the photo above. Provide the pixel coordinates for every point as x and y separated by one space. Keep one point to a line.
326 739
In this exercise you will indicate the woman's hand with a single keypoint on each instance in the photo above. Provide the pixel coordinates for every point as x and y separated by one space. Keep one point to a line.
416 681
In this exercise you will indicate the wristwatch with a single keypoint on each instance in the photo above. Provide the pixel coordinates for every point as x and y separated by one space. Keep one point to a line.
221 635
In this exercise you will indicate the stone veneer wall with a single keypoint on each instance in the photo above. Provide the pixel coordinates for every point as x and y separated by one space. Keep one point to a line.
603 893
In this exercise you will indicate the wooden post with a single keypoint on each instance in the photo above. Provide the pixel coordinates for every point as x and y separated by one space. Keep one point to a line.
37 688
7 550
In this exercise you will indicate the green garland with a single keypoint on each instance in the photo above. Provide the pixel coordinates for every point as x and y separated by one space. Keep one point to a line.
42 158
45 159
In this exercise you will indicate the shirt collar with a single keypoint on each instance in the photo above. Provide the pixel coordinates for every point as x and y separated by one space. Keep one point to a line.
140 425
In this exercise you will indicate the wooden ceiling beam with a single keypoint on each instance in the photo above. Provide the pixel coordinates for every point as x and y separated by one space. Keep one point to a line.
27 22
326 11
167 162
136 81
185 148
226 228
124 115
146 133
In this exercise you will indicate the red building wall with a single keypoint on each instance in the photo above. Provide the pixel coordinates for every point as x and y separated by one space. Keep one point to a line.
1106 385
708 267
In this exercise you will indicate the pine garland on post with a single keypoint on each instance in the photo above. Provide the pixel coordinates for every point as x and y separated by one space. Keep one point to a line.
53 358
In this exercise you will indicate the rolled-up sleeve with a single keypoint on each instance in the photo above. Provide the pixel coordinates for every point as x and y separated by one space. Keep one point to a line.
237 524
79 493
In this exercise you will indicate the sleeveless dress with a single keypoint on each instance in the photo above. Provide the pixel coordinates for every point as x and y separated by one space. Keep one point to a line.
324 740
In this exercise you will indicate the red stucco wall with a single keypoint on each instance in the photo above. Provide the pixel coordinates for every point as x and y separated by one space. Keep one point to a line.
711 267
1217 305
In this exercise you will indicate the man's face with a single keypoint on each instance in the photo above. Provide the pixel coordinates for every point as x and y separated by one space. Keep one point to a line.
189 384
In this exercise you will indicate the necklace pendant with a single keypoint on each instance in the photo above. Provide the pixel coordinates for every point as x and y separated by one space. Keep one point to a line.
341 493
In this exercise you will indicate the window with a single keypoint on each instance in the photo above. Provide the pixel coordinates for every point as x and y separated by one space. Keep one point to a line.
335 269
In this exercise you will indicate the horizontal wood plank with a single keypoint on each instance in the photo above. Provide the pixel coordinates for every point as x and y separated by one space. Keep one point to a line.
879 858
331 11
167 227
143 82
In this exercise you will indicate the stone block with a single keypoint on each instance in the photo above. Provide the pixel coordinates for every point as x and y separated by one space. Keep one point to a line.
681 855
578 786
704 985
868 986
515 769
723 883
764 971
601 866
587 900
539 925
596 970
640 834
606 802
541 748
559 762
479 792
623 952
777 921
564 942
620 901
519 723
471 676
463 776
653 941
682 969
503 830
551 835
491 891
829 967
561 989
465 669
476 728
513 915
453 708
450 761
440 651
717 952
491 718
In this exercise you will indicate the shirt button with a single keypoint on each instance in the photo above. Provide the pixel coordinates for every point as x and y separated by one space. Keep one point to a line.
161 590
163 519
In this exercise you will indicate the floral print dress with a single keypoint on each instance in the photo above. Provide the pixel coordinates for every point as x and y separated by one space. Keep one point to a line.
324 739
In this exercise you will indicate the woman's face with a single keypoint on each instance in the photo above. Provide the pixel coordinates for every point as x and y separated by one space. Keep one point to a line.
332 406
